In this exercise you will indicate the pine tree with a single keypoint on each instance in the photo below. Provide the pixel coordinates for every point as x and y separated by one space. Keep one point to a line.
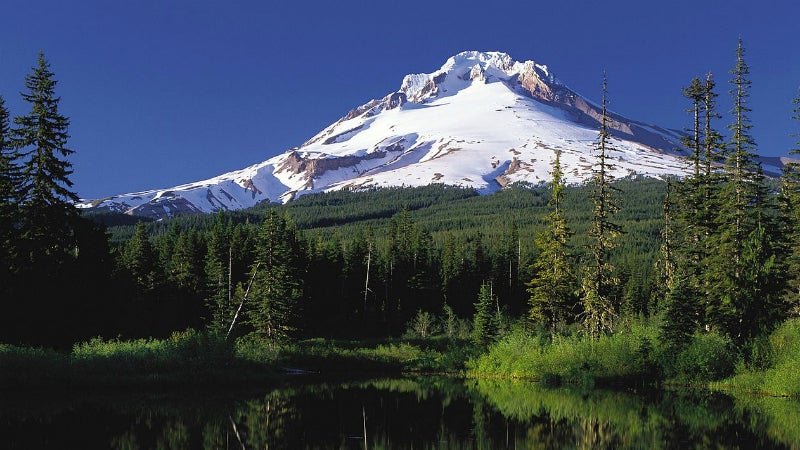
218 268
41 137
277 285
552 287
744 248
141 261
485 325
665 265
714 147
186 268
695 92
687 224
599 282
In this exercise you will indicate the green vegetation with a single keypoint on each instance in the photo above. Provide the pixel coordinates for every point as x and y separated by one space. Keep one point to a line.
572 358
192 358
772 365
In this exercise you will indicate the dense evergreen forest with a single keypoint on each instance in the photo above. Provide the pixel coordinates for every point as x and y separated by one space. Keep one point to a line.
426 247
714 253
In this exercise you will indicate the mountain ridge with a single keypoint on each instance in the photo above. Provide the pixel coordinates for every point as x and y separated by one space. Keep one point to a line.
482 120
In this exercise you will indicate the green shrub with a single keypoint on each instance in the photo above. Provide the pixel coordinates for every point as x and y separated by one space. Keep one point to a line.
784 379
785 342
708 357
422 325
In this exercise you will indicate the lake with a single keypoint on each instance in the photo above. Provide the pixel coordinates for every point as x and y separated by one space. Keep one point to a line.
405 413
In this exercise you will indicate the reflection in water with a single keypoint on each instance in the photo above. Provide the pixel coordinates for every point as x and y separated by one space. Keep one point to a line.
424 413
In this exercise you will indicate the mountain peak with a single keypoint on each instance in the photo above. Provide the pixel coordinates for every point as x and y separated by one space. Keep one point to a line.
499 60
474 65
482 120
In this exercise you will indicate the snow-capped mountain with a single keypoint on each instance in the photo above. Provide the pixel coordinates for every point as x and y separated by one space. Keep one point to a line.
482 120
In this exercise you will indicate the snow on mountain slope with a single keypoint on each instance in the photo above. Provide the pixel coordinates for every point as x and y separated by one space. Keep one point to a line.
482 120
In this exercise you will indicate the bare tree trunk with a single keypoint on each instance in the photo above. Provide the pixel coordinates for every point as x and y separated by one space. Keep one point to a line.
366 282
364 415
230 273
244 298
236 432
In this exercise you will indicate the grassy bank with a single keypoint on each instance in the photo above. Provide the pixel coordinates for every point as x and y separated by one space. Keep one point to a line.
633 356
772 366
570 358
195 358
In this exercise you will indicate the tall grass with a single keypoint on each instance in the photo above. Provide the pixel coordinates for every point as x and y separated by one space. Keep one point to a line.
571 358
776 370
26 365
188 357
193 357
182 351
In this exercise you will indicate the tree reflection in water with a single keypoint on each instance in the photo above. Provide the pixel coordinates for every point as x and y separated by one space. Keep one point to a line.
418 413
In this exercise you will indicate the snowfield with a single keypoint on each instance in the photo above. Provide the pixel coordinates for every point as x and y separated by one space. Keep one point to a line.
482 121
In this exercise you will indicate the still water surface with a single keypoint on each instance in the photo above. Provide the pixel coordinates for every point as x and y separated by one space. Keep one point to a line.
408 413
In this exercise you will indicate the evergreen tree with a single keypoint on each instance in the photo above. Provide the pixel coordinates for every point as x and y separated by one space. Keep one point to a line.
47 202
740 262
714 147
218 276
485 326
552 287
687 224
695 92
140 260
790 213
599 282
277 280
665 265
186 268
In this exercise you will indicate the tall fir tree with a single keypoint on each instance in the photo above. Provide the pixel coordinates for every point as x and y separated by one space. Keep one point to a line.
713 145
186 265
742 278
141 260
695 92
47 202
218 267
790 224
552 288
599 283
485 322
277 280
665 264
687 226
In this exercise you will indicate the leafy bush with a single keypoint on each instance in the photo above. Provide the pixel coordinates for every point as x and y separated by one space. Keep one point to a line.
422 325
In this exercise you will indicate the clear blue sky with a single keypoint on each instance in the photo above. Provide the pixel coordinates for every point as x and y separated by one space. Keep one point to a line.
162 92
